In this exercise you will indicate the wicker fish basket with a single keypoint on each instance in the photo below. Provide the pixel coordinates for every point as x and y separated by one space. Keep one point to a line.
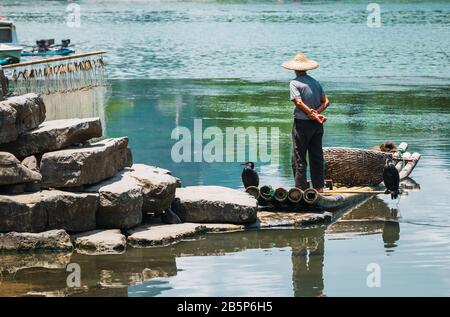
354 167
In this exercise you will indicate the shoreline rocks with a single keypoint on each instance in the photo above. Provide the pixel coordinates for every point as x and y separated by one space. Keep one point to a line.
46 210
12 171
93 190
53 240
214 204
100 242
159 235
158 186
54 135
19 114
120 203
85 165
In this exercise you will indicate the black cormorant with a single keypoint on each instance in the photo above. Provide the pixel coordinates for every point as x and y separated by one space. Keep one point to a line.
391 179
249 175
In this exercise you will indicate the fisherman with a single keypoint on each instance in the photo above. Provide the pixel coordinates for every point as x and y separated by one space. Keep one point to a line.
307 132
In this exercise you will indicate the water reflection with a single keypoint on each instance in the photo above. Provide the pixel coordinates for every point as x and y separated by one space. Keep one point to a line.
163 270
373 217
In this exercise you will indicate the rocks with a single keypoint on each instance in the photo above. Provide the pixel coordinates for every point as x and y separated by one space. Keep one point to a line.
85 165
54 240
169 217
31 163
216 204
120 204
13 172
223 227
20 114
48 209
73 212
13 189
54 135
147 236
100 242
158 186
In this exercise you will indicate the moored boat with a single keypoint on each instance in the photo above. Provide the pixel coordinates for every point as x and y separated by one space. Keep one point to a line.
10 51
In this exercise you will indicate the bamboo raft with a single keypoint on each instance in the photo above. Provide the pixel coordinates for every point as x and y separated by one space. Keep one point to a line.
335 199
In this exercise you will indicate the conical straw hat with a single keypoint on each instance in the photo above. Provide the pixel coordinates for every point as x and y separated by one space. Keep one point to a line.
300 62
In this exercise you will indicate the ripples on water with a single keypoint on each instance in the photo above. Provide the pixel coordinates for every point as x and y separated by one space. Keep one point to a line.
387 83
148 39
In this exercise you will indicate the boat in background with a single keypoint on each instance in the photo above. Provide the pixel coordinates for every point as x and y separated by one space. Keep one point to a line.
10 51
49 48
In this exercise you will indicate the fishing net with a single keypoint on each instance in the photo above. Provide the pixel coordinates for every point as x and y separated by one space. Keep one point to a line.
57 76
71 87
354 167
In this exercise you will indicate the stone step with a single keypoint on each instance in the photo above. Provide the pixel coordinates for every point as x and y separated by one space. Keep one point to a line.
130 193
214 204
48 209
120 204
20 114
157 235
90 164
53 240
100 242
158 186
12 171
54 135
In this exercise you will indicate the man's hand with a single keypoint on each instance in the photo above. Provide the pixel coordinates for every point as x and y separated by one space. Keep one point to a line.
325 102
312 114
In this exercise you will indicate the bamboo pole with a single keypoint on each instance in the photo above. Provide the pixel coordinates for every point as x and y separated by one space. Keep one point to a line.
281 194
54 59
295 195
400 164
266 192
408 168
402 147
253 190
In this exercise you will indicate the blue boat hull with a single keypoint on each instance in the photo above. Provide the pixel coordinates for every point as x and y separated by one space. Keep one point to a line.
49 53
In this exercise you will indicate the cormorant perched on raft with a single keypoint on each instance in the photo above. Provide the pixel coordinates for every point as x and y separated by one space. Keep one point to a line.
391 179
249 175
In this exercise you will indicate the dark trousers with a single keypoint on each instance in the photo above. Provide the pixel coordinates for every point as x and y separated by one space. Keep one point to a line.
307 137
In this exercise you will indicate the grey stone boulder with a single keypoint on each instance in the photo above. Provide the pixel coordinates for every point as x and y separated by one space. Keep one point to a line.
214 204
19 114
100 242
14 172
92 163
120 203
46 210
158 186
223 227
54 135
157 235
53 240
31 163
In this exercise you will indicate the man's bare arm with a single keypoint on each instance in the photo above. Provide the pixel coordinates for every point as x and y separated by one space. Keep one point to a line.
303 107
324 103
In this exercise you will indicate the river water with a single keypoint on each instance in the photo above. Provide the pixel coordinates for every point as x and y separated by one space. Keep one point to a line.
171 63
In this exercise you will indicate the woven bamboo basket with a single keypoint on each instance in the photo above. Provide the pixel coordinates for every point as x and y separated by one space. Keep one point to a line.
354 167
